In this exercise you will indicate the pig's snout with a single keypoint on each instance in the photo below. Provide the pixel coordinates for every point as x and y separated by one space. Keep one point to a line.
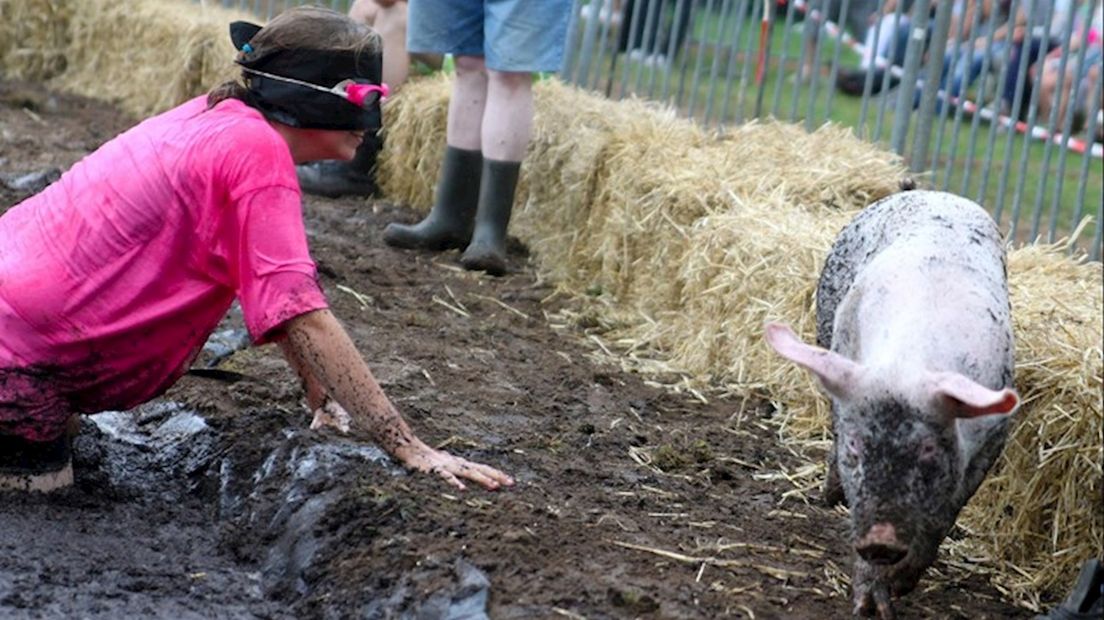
880 545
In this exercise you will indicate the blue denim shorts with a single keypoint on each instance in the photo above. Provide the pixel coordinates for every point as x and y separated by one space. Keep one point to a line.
512 35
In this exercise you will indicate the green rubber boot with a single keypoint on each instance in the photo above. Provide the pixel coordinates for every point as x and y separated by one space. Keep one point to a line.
487 251
449 223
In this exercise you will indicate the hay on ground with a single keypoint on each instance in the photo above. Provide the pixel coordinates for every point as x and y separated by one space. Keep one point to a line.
679 244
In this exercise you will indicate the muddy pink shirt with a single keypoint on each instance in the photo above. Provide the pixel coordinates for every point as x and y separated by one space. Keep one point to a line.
113 277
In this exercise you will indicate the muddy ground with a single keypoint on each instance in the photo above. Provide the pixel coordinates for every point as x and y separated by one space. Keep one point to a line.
218 501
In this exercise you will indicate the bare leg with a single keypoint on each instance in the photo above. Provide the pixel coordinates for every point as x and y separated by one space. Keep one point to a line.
466 107
508 118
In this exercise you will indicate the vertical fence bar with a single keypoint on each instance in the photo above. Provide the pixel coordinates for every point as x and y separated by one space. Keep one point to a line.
631 41
814 73
761 71
907 91
809 32
676 40
994 128
1083 180
716 67
603 41
948 69
883 101
780 79
966 57
683 53
748 28
1052 118
651 58
702 44
922 139
833 68
590 34
1067 125
651 28
1032 117
870 56
730 72
1017 101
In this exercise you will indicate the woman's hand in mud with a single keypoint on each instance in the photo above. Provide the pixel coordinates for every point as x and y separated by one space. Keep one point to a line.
452 468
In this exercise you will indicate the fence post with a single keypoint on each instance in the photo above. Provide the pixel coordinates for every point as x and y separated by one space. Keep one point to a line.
913 55
932 87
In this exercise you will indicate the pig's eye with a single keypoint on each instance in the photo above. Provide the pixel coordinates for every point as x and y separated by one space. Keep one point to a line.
927 449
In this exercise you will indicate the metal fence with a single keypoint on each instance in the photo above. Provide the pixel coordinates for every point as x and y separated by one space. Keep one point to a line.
1012 117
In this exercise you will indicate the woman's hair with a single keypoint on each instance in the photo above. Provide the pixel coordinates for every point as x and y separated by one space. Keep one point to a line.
305 27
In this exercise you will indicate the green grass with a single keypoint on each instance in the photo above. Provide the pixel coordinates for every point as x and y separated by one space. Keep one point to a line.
709 102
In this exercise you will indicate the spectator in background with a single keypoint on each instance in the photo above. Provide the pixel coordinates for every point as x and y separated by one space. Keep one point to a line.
1081 78
962 68
1030 41
861 14
890 31
357 177
498 47
652 31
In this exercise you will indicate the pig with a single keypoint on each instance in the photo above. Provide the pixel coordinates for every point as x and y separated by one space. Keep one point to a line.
915 353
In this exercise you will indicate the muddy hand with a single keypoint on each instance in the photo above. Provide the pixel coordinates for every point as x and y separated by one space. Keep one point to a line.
332 415
453 468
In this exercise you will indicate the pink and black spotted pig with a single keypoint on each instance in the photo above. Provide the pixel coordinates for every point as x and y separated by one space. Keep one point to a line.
915 351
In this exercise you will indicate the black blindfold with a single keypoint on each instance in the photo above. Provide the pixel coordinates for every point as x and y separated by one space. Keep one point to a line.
312 89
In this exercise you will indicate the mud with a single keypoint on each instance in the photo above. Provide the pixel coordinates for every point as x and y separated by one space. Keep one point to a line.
218 501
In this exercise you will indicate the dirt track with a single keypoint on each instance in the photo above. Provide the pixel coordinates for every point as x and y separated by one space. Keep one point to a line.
631 502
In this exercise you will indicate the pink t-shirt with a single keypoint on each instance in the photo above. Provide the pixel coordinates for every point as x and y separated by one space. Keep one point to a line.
112 278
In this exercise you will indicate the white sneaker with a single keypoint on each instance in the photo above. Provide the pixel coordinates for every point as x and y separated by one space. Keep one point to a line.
605 16
656 61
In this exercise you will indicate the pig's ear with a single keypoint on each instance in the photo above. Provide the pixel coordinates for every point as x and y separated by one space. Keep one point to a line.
838 374
968 399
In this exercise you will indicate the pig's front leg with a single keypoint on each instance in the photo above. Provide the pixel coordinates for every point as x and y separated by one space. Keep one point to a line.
871 591
832 494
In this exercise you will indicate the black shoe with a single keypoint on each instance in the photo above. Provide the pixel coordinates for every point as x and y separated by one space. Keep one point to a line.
34 465
334 179
1085 601
851 81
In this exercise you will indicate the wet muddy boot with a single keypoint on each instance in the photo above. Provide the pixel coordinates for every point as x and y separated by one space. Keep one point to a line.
333 179
487 251
35 465
449 223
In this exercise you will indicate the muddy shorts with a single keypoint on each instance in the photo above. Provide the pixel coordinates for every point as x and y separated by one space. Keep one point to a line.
30 407
512 35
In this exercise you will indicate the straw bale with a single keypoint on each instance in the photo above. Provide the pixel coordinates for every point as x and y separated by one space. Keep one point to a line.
1039 515
148 56
34 36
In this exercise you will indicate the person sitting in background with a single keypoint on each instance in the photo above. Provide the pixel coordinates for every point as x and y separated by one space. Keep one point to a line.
884 45
1030 41
962 64
357 177
143 262
861 15
1082 78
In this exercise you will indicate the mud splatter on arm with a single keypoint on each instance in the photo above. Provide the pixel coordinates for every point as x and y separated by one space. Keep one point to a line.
318 343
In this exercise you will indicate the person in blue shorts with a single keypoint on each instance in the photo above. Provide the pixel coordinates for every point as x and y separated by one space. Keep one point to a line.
497 45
